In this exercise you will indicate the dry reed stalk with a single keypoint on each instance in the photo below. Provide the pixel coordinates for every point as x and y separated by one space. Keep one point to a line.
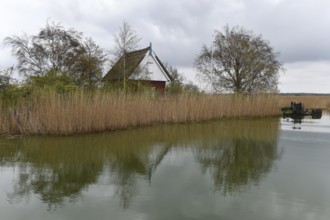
327 106
3 121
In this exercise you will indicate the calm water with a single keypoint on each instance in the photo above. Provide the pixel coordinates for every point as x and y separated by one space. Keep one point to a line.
235 169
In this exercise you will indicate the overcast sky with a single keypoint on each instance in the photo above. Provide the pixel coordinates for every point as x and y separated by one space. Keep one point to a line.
298 29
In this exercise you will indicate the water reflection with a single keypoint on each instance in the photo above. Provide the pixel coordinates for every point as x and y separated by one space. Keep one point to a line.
58 169
299 122
236 161
54 169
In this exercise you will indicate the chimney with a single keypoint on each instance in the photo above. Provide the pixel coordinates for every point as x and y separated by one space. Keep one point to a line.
150 49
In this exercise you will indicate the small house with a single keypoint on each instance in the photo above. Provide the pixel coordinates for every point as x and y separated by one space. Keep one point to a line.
142 66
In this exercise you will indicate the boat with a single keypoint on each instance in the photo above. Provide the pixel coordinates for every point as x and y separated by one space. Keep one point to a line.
297 111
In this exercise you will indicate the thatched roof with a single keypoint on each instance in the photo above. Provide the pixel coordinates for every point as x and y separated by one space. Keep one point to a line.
133 59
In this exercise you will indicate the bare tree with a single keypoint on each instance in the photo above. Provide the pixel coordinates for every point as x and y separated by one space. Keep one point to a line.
56 51
240 62
126 40
53 49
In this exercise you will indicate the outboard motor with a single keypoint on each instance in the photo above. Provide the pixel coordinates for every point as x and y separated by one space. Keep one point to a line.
316 113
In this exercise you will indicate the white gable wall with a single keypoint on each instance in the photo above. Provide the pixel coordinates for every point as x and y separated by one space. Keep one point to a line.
151 70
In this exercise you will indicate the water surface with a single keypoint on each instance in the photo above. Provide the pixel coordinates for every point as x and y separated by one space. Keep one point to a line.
231 169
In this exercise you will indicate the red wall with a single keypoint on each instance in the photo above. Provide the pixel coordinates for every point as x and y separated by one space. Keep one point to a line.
158 85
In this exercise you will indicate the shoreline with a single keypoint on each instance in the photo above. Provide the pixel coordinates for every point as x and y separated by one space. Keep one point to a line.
13 136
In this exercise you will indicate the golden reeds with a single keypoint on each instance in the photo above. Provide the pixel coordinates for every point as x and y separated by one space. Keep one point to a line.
83 112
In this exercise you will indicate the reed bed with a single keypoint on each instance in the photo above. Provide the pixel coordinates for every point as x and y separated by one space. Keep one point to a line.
82 112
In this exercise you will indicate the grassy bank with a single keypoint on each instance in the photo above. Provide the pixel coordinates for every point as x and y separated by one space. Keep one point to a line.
82 112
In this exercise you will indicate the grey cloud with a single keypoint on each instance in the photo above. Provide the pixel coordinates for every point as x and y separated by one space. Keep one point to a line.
295 28
298 29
